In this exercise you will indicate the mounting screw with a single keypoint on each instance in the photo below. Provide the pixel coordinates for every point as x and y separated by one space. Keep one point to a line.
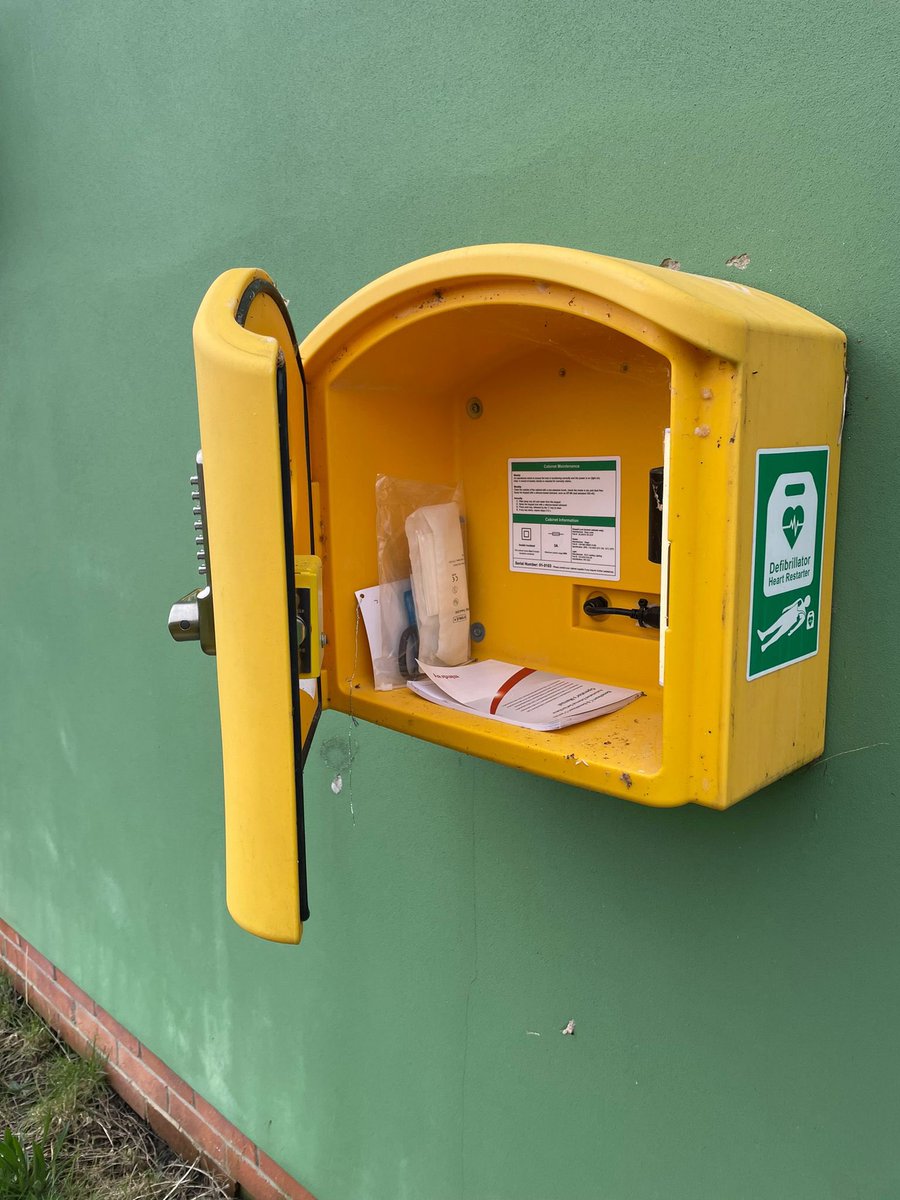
477 632
323 640
474 408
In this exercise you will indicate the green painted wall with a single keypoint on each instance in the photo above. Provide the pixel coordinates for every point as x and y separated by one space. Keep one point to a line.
733 976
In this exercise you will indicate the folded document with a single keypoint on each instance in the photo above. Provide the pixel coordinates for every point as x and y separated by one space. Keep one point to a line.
519 696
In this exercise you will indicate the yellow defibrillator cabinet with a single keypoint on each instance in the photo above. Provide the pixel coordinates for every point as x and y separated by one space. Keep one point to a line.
714 410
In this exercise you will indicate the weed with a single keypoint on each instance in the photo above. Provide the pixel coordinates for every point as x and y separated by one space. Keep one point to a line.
30 1175
8 1004
70 1084
68 1136
36 1037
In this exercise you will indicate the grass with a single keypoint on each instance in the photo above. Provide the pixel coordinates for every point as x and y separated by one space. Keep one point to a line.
65 1135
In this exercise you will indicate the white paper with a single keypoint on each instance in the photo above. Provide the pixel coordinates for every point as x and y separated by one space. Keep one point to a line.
518 695
564 516
370 611
384 613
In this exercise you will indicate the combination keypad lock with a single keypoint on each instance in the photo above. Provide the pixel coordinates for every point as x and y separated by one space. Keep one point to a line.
191 617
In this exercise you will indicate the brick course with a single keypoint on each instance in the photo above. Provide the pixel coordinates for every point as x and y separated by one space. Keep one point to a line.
184 1120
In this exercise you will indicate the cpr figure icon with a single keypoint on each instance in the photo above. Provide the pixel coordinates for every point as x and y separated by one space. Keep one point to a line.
792 618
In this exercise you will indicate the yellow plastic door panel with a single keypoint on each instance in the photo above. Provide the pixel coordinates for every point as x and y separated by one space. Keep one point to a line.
252 406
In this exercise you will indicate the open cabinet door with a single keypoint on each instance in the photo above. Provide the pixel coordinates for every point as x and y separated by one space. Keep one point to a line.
258 529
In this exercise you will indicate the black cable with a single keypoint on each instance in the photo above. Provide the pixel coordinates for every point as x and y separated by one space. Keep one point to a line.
646 614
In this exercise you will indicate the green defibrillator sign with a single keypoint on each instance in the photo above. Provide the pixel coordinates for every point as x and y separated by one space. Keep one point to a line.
786 579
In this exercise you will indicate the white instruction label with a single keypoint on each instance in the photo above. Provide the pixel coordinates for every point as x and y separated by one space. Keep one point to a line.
564 516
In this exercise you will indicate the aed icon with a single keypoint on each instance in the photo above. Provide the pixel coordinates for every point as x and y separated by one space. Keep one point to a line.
647 507
791 485
792 519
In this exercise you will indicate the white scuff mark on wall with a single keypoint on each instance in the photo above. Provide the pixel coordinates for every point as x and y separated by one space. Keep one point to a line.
215 1024
570 1027
741 261
531 1033
68 749
337 754
112 899
50 846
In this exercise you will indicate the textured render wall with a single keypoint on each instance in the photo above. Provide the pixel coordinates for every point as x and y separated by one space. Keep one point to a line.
733 976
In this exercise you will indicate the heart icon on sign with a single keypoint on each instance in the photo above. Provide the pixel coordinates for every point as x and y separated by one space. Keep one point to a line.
792 523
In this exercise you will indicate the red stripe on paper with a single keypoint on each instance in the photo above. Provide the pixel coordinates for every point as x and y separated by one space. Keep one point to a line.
509 685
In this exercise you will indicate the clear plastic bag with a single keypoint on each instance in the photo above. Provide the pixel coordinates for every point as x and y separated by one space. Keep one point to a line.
423 596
